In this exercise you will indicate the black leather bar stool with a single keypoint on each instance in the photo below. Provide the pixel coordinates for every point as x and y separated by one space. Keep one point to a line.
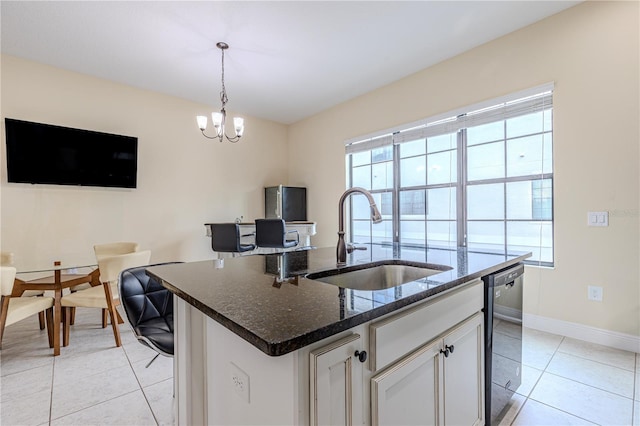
273 233
225 237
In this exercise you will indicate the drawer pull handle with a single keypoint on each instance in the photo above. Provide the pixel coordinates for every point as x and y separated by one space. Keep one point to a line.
361 355
448 349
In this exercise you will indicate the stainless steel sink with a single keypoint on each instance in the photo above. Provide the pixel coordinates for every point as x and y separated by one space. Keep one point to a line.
378 275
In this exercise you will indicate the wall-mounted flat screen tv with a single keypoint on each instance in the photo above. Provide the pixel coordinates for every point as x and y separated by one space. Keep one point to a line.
47 154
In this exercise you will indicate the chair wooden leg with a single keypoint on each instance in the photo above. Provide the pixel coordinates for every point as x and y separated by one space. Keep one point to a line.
41 320
4 310
49 315
111 306
120 320
66 318
114 324
73 316
104 318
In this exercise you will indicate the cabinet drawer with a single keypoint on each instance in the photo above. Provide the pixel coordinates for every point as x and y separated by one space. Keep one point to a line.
397 335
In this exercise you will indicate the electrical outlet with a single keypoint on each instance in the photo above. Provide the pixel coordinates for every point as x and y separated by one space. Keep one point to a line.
239 382
594 293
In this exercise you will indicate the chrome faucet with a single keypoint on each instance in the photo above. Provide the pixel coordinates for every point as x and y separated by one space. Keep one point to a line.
376 217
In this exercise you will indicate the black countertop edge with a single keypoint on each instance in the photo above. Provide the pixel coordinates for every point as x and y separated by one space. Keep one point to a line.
282 347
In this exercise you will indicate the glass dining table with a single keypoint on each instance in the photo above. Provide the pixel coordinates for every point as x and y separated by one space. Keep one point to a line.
57 282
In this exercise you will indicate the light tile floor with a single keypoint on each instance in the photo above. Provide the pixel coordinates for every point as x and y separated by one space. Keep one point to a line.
571 382
565 381
91 382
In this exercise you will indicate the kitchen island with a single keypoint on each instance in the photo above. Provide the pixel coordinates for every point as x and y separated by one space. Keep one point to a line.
258 343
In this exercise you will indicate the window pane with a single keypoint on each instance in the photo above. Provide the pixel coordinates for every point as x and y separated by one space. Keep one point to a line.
361 231
382 175
536 237
384 202
441 234
442 142
542 199
485 133
529 124
413 171
382 232
412 232
529 156
442 203
360 158
485 201
360 208
530 199
362 177
382 154
442 168
409 149
486 235
413 205
519 200
485 161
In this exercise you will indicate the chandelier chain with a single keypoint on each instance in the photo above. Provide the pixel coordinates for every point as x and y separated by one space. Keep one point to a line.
223 93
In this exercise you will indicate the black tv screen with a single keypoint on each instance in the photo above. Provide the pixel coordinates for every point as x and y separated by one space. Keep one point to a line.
47 154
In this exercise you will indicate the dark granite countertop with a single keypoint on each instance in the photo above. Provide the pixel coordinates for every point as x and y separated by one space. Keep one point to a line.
248 296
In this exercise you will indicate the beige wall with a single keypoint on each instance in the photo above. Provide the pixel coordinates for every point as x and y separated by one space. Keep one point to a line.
184 180
591 52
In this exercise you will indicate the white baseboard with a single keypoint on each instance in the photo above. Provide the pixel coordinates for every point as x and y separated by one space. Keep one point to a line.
574 330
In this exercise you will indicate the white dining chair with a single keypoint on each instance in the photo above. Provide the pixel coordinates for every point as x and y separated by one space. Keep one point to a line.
104 296
102 250
7 259
14 309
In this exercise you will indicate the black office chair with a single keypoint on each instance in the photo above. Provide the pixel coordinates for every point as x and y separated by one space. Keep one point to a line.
273 233
149 309
225 237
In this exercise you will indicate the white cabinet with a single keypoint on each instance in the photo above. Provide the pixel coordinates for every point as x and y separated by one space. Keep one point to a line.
407 392
440 383
425 367
335 379
463 373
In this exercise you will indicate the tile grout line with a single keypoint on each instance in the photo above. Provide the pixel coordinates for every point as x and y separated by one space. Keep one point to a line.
144 395
597 361
84 408
53 375
566 412
544 370
587 385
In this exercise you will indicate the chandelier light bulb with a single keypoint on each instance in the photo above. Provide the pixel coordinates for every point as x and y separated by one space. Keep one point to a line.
216 119
202 122
238 123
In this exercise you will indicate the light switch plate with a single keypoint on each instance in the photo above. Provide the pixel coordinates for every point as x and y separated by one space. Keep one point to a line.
598 219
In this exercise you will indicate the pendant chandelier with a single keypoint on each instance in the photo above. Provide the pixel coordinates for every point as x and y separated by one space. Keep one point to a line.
219 119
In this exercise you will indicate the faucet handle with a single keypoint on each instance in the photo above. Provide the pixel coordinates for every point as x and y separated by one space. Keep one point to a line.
352 246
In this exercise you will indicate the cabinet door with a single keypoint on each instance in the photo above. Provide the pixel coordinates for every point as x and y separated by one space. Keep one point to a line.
463 374
335 377
407 393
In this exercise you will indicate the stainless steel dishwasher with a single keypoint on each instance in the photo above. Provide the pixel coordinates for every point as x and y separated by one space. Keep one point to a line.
503 340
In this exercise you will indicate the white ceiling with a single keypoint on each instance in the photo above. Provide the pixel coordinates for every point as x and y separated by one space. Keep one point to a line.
287 60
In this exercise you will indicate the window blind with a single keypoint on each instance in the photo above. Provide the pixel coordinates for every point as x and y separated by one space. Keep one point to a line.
525 102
